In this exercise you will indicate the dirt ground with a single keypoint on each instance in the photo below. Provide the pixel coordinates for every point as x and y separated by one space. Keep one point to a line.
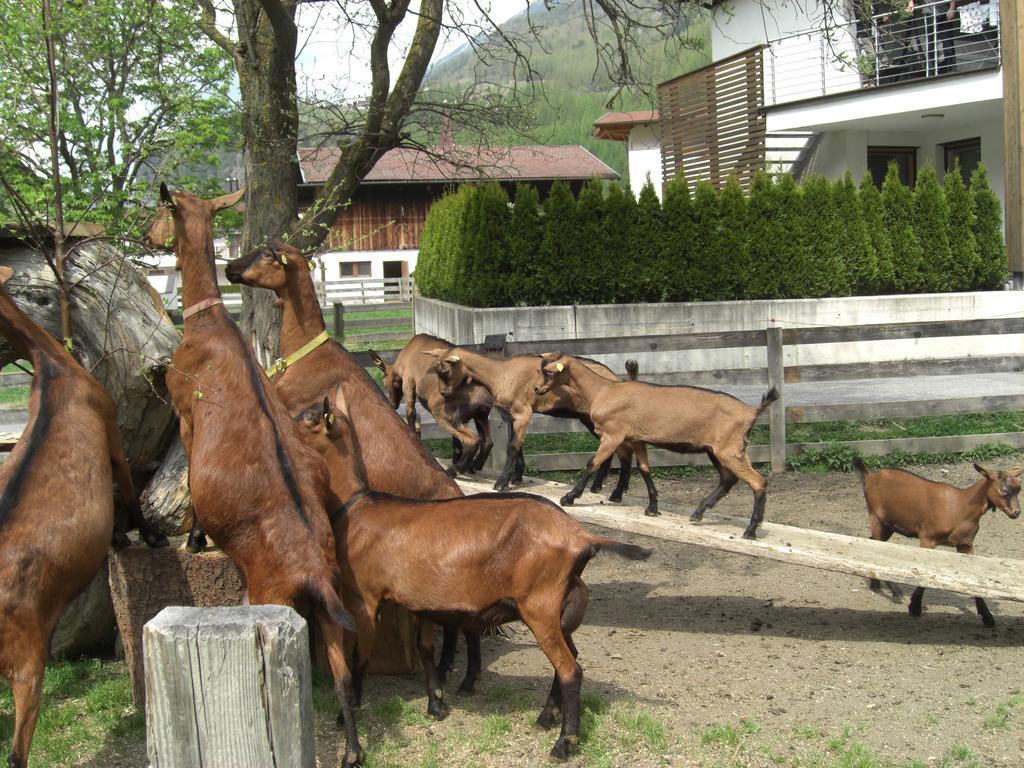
748 662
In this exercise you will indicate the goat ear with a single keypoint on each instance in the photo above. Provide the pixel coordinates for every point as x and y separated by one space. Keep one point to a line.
1016 472
378 361
165 196
226 201
5 274
982 471
340 403
435 353
453 359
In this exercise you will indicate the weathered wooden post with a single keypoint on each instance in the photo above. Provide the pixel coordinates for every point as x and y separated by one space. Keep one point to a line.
228 687
339 321
501 426
777 410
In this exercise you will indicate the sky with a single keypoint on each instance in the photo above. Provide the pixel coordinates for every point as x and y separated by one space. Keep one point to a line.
333 59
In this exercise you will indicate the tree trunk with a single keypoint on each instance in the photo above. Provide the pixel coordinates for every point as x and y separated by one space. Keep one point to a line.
121 332
270 128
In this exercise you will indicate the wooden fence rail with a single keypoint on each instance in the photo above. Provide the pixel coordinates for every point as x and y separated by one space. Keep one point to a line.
777 374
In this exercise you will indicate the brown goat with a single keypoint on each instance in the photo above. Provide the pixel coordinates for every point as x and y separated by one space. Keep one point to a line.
412 377
258 489
56 509
396 460
935 513
678 418
513 383
487 559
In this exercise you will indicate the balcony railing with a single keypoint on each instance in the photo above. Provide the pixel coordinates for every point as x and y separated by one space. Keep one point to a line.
883 49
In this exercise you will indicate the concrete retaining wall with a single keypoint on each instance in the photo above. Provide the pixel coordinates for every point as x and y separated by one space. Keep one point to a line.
465 325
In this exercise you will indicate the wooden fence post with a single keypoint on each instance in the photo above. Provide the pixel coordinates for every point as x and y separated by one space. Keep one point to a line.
777 410
339 321
228 687
500 432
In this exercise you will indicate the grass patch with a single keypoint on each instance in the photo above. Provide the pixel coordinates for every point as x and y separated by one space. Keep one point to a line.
14 396
1000 718
643 727
493 732
960 756
726 735
86 705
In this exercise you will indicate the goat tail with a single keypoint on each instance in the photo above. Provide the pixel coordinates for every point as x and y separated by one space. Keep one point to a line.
860 467
325 598
769 397
628 551
632 369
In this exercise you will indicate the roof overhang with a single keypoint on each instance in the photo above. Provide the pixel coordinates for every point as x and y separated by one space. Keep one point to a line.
616 126
962 100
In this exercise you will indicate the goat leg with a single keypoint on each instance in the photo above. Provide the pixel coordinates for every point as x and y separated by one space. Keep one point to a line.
726 480
983 611
449 644
436 706
483 429
599 477
26 687
915 602
552 707
473 662
196 536
625 461
645 472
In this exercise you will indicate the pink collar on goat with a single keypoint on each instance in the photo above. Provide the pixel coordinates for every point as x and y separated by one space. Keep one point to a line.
199 306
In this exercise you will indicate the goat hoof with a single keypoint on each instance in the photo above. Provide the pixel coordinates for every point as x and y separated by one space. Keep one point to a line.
696 517
750 533
914 610
564 747
616 496
546 720
567 500
596 487
353 758
468 687
195 546
501 485
452 471
988 621
652 512
120 541
438 710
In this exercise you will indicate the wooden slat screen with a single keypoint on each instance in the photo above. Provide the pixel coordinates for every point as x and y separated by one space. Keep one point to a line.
711 127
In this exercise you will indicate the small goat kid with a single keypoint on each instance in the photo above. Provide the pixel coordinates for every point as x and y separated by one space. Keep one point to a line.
935 513
678 418
412 377
485 560
56 509
514 384
256 487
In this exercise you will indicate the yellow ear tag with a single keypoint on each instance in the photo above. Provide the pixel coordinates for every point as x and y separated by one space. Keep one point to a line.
330 418
282 258
312 265
559 367
454 358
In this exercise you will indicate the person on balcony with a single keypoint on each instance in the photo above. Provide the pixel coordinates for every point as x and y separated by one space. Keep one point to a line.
935 25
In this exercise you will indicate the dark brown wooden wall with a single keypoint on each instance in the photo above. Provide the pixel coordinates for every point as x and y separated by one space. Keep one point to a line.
711 126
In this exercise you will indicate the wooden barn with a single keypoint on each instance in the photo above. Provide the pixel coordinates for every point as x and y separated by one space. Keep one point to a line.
378 234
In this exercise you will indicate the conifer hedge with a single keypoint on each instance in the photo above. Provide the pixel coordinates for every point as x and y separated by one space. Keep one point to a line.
779 241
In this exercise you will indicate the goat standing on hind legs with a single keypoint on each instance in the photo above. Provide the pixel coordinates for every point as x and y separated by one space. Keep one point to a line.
56 509
678 418
259 490
935 513
487 559
313 363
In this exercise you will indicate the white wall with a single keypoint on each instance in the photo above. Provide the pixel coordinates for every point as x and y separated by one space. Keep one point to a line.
644 157
333 260
737 25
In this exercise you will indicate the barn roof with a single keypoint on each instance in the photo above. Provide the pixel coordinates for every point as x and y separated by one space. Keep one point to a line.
460 163
616 126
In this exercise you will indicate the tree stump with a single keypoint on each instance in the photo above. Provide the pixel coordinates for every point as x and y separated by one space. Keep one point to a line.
229 687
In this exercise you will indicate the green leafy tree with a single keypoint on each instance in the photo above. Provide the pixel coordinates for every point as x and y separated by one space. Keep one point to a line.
138 93
873 213
617 223
594 267
855 247
526 230
963 248
700 280
907 254
485 236
557 257
823 238
677 249
931 225
988 231
732 244
647 240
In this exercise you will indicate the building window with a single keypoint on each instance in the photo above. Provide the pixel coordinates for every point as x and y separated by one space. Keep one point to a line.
354 269
968 152
904 157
